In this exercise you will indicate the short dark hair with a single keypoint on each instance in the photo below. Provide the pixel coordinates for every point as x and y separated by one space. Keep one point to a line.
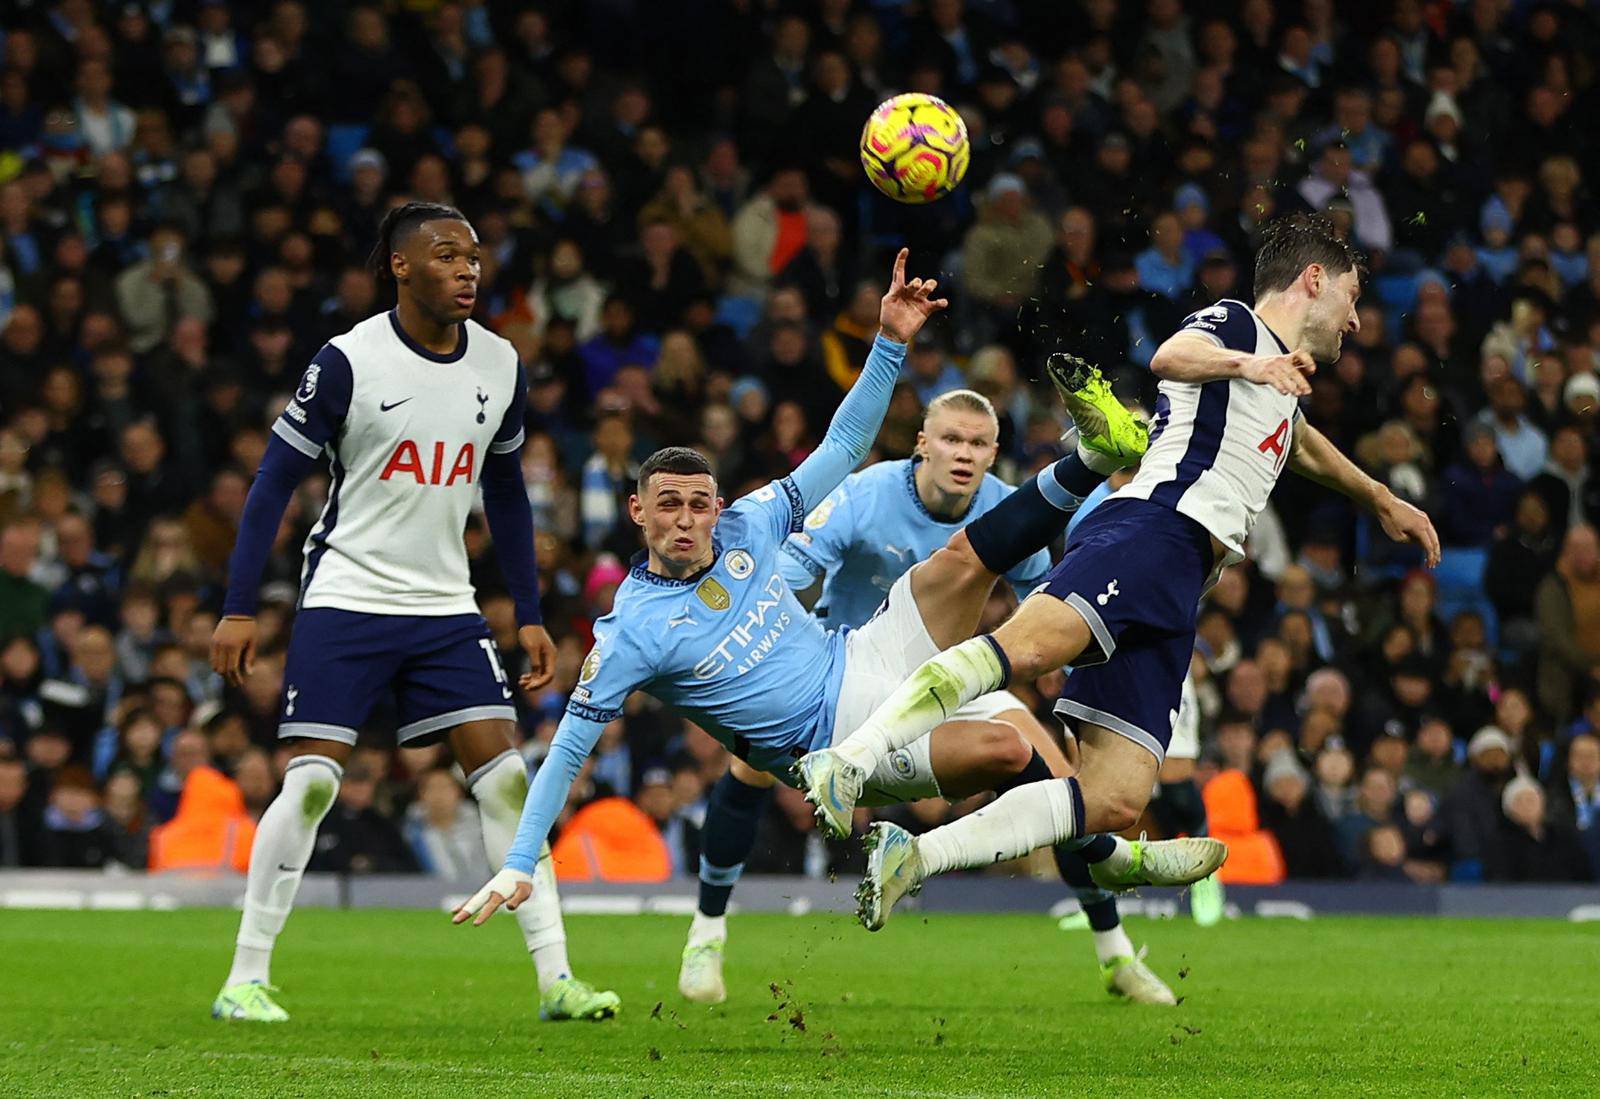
673 459
1291 244
398 224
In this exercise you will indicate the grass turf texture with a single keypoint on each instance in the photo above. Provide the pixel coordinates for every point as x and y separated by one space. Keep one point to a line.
402 1004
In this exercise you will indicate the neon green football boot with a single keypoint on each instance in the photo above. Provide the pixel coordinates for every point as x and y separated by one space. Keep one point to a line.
700 976
1162 862
1074 921
570 998
1104 425
248 1002
1128 976
1206 898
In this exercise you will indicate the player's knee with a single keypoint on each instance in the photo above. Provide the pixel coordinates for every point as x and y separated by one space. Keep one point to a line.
959 556
1112 806
1029 655
1007 750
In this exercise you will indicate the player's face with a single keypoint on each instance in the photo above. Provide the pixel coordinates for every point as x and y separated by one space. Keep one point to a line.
959 447
1333 313
678 512
439 268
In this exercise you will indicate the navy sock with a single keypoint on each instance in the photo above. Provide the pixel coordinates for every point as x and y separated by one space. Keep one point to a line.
1037 770
1180 810
733 813
1098 904
1097 848
1033 516
1075 477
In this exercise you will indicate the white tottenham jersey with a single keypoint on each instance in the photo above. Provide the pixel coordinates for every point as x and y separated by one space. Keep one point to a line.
1217 448
406 432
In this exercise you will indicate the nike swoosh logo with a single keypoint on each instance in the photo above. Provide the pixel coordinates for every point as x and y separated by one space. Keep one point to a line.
386 407
288 869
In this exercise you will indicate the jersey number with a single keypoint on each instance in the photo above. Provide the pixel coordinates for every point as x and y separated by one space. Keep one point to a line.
487 645
1277 444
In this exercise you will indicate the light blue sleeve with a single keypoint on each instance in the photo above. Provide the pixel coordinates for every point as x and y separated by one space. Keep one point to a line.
1030 574
818 549
855 425
781 505
611 672
1090 502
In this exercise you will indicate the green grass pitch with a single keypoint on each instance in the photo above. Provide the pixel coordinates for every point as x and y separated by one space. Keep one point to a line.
397 1004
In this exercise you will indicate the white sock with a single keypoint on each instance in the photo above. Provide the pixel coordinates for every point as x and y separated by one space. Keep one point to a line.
934 692
707 929
278 857
1120 858
1103 464
1018 821
500 787
1112 944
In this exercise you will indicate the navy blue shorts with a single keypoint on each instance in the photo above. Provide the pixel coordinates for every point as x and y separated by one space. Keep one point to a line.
1135 571
443 671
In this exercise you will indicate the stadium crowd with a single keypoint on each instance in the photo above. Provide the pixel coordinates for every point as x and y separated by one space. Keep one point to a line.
679 240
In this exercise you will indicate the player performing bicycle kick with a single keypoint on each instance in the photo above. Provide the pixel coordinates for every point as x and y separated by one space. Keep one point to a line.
706 623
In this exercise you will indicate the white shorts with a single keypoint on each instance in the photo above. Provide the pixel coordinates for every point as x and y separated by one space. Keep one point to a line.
1186 729
878 658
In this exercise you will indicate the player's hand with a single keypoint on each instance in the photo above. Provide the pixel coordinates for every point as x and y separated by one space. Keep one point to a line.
1288 374
535 641
509 887
908 305
1405 523
233 648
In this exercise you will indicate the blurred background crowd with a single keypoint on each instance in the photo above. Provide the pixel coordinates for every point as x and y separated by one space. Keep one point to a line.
680 242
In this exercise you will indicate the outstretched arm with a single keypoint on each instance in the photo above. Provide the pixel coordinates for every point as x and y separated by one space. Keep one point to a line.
1314 457
513 883
906 307
1189 357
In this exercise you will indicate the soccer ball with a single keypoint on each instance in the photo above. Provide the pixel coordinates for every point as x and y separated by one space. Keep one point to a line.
914 148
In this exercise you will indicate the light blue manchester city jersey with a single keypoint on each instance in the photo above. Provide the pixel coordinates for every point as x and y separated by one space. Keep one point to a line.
872 529
731 648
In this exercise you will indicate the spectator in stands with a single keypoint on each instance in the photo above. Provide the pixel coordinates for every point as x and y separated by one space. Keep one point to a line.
157 291
18 828
1003 251
823 270
1294 817
1479 493
769 231
1572 495
442 829
928 367
1536 848
1165 268
1567 605
75 833
1427 848
1374 807
1521 445
1519 560
1575 798
355 838
1335 175
22 602
1432 765
1471 811
607 479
